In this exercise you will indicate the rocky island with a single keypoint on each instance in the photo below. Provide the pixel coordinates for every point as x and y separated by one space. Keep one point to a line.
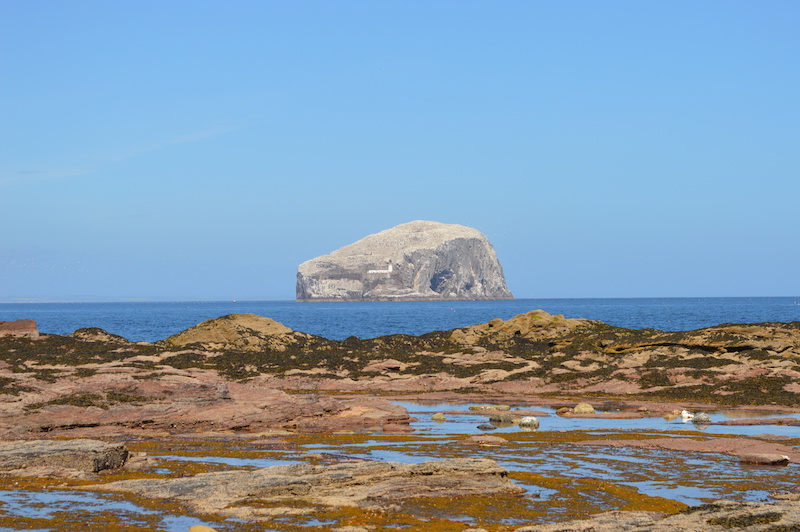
240 423
418 260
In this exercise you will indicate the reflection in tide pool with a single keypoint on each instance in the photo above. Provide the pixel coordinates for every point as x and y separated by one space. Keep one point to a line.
48 504
255 463
467 423
691 478
549 464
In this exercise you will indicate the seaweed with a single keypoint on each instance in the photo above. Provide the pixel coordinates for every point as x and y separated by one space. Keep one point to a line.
80 399
745 520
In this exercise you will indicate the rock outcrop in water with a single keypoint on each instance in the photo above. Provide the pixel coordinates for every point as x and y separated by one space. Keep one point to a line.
19 328
414 261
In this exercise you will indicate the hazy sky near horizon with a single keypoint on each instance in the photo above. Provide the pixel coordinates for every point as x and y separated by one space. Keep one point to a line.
204 149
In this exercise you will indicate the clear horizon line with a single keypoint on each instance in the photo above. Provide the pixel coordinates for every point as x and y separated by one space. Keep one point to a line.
42 300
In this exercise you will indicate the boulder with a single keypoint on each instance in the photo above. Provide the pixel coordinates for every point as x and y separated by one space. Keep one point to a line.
418 260
84 455
503 418
529 423
583 408
764 459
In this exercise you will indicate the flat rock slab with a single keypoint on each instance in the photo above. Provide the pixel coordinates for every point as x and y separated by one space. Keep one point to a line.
187 402
19 328
740 447
718 516
343 484
790 421
484 439
84 455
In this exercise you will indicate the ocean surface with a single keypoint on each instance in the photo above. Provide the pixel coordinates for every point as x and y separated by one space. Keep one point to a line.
151 321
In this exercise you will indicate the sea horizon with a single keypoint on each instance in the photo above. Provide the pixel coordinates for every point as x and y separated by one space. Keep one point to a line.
45 300
142 320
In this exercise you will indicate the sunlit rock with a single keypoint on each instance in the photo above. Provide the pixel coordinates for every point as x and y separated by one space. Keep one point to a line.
418 260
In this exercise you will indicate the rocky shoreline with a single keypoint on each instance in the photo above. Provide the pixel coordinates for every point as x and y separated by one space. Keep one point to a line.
242 376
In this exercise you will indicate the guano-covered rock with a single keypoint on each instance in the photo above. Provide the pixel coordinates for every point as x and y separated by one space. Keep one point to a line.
418 260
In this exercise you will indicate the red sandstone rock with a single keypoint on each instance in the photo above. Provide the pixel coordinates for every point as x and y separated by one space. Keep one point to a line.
484 439
21 328
111 402
739 447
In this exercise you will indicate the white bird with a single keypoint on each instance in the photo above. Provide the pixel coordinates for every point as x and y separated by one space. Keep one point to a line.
686 415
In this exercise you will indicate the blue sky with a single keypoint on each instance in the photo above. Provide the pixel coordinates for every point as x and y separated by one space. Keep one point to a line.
202 150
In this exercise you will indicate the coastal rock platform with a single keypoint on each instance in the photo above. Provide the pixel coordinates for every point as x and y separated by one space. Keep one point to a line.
205 413
369 484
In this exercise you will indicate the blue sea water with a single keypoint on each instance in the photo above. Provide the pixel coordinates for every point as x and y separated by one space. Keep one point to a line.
151 321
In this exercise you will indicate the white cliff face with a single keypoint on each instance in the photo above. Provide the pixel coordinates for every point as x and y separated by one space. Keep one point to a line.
416 260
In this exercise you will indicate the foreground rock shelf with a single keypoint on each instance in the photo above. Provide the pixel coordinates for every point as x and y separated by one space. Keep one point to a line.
365 484
166 424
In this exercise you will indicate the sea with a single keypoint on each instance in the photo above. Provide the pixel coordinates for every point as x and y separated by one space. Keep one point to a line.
153 321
